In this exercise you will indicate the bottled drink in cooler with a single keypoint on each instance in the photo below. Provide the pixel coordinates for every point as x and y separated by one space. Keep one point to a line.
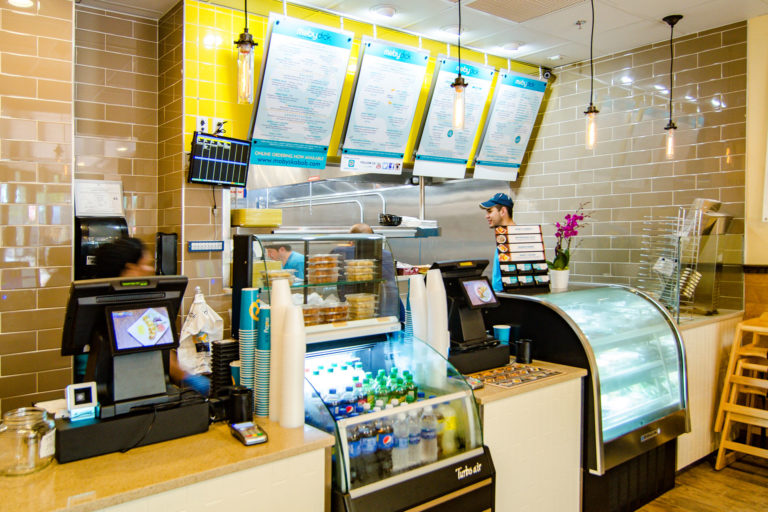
353 441
386 443
411 391
332 402
368 469
400 450
414 439
428 435
347 403
448 444
360 398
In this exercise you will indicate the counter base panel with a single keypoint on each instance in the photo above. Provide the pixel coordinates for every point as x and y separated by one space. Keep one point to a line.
632 484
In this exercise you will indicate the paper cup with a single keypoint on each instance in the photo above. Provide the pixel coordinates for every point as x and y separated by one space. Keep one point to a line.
501 332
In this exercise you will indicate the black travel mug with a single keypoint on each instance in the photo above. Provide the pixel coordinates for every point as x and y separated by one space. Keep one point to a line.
240 405
523 350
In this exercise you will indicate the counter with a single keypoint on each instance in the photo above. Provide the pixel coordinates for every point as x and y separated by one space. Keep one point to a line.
534 433
190 473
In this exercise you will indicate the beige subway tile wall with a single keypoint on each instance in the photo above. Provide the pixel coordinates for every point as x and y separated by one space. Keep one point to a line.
626 179
116 115
35 197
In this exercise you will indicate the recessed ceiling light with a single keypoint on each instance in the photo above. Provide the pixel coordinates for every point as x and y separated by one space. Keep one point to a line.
513 46
452 30
626 79
21 3
384 10
555 57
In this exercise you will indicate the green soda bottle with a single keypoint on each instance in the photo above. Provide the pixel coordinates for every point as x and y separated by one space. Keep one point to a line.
411 391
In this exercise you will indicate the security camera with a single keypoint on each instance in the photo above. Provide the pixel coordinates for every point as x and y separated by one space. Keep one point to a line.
547 74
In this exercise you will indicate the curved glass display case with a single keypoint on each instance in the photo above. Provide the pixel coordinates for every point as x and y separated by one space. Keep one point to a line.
635 398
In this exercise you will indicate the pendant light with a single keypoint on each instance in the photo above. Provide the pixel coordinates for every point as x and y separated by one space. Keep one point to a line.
459 89
671 127
590 135
245 63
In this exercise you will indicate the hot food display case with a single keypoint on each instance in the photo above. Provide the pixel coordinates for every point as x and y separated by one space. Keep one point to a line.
635 398
406 424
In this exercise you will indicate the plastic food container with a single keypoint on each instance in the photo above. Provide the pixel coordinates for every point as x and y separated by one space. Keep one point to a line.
359 275
334 312
312 314
283 273
323 260
322 275
360 263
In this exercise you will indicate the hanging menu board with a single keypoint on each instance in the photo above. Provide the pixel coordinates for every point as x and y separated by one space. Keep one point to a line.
302 76
508 128
442 151
389 80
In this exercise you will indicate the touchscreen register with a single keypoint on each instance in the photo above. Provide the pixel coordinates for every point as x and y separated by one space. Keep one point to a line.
478 292
139 329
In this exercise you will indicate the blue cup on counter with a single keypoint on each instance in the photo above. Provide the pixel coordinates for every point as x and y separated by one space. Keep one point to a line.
501 333
234 368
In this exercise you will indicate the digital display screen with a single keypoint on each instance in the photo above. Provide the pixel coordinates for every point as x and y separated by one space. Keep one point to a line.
219 160
478 292
140 329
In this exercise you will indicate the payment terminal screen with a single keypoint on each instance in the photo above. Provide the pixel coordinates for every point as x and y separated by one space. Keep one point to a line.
479 292
141 328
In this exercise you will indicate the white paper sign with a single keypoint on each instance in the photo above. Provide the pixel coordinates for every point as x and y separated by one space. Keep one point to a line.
95 198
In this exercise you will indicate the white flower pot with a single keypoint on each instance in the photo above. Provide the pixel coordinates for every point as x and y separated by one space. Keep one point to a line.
558 279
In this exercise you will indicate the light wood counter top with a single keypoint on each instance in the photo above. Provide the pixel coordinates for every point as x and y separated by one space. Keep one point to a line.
491 393
115 478
694 321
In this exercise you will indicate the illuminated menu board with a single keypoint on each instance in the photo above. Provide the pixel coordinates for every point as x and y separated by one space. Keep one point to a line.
389 80
302 76
443 151
508 128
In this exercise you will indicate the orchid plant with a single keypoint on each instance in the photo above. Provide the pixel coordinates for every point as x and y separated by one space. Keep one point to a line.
565 233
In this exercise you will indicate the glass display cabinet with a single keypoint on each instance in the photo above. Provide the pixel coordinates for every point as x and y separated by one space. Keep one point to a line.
402 417
635 399
341 278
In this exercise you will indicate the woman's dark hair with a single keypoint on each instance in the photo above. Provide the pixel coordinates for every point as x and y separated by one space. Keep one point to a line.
112 258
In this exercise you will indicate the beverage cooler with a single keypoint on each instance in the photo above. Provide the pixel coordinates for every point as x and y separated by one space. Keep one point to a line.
408 434
635 398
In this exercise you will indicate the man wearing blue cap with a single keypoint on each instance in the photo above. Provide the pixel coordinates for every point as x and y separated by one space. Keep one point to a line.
498 212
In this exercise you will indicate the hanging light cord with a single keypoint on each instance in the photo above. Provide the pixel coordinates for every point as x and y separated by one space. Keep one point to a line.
459 37
591 62
671 68
246 15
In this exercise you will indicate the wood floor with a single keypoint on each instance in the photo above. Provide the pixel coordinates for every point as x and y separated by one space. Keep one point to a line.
740 487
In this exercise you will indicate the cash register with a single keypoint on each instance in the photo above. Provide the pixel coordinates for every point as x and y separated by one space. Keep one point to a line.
469 295
127 328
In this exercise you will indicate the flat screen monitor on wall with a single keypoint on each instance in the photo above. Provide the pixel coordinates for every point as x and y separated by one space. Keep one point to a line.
219 160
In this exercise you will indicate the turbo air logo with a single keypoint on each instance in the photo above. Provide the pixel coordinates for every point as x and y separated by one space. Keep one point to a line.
464 472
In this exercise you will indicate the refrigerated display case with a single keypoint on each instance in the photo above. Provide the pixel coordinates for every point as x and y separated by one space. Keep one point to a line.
635 398
343 278
414 462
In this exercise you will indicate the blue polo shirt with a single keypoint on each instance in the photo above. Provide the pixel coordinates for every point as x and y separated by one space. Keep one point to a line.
296 261
496 273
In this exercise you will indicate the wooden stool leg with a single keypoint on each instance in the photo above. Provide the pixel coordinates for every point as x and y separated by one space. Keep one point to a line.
737 339
720 461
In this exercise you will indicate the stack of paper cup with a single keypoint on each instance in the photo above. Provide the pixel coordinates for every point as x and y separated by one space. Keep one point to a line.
262 362
417 298
437 313
292 386
408 328
249 318
280 301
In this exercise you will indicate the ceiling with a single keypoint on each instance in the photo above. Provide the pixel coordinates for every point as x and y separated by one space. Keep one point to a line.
541 29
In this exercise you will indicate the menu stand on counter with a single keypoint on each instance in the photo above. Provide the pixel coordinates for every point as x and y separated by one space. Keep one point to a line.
522 261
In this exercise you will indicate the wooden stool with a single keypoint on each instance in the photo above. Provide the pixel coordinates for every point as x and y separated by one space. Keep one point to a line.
747 378
757 327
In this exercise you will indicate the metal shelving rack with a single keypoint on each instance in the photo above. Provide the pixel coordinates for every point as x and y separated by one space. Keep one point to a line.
669 259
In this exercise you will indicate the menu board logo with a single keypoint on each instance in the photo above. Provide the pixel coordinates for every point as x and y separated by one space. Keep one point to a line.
311 34
464 472
398 55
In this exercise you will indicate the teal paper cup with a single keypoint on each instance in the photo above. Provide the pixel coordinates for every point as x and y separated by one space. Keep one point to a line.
501 332
234 367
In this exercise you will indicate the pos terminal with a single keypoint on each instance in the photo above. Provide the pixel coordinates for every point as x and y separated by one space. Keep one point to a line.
469 294
127 328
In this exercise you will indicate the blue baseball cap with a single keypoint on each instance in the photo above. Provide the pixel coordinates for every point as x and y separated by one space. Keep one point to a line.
498 200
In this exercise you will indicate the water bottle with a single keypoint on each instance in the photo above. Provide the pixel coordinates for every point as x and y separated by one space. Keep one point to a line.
360 399
333 403
347 403
402 440
448 443
386 443
428 435
353 442
414 439
368 469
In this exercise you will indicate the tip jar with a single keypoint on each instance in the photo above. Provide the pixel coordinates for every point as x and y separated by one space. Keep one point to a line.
27 441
